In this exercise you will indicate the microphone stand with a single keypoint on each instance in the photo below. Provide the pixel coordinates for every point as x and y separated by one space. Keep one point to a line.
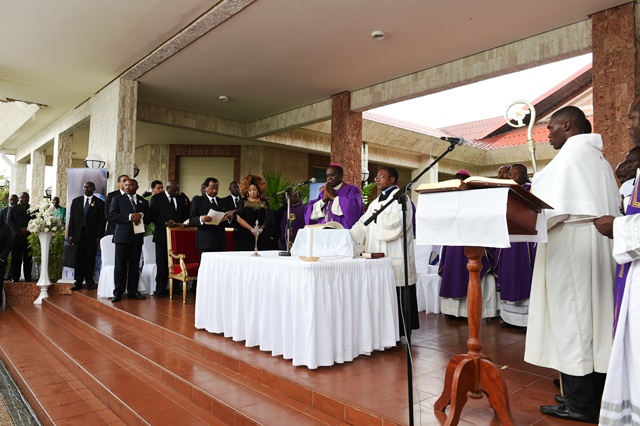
287 230
400 197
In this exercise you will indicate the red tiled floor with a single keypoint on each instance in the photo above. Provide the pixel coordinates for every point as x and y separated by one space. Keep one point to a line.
376 383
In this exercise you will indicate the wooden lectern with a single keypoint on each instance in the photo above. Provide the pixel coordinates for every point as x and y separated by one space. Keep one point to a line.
472 374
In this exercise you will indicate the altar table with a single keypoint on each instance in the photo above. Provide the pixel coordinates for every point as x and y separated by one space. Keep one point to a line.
313 313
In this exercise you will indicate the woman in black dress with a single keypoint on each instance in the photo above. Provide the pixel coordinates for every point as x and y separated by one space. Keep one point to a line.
255 210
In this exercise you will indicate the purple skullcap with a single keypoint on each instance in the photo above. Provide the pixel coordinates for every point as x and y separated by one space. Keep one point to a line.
463 172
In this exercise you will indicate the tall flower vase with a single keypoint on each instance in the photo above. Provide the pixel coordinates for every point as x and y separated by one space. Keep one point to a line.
43 281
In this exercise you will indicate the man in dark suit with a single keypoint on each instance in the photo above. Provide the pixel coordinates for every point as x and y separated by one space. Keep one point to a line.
111 227
232 202
126 211
5 248
13 200
86 227
18 218
208 237
168 209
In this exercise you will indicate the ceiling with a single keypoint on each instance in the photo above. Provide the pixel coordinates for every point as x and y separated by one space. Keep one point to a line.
268 57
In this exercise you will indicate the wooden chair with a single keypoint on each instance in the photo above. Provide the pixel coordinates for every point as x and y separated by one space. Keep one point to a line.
184 258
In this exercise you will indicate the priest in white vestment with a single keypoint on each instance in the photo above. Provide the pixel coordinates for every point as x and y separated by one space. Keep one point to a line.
621 398
384 235
571 305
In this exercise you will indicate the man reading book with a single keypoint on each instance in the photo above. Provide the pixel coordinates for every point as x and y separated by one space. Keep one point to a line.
385 235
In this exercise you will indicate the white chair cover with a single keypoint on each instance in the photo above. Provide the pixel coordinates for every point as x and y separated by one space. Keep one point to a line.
428 285
106 283
149 269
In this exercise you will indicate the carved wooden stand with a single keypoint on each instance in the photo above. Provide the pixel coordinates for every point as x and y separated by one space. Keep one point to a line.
472 374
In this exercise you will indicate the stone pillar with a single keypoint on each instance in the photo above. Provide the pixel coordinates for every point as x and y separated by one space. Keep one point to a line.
429 177
38 158
113 128
346 137
615 76
19 177
61 162
252 160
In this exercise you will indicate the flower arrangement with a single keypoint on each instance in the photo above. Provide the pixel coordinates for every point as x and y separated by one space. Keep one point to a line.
43 218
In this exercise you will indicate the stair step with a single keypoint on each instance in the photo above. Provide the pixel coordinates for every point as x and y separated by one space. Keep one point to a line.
175 328
210 384
132 395
45 381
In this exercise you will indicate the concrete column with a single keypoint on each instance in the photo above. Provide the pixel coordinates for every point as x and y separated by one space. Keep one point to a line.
61 162
346 137
18 177
615 76
113 128
252 160
36 191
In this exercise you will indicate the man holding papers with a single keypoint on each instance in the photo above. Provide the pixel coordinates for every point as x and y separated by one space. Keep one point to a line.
206 213
130 212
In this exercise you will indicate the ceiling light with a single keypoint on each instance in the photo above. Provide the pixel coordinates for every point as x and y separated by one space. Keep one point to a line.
223 98
378 35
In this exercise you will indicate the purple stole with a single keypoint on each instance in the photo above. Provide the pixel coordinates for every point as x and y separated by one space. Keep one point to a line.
623 270
350 203
454 272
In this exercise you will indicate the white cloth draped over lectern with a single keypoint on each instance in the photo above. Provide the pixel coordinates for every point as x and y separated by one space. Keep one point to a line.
326 243
475 218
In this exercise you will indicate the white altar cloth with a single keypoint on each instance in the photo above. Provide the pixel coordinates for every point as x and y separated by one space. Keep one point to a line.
314 313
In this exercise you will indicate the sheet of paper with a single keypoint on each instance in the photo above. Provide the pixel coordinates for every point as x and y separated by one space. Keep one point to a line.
139 228
578 222
216 215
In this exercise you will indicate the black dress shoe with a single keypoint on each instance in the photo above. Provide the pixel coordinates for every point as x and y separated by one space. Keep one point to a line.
563 412
137 295
76 287
159 294
116 299
556 382
91 286
559 398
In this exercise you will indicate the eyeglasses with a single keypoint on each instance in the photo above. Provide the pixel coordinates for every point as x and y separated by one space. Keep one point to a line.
380 177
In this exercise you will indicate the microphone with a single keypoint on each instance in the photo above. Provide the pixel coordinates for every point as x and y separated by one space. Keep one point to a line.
457 141
307 182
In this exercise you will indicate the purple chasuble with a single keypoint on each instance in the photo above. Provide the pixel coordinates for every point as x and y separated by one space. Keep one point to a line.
623 270
454 273
350 199
297 222
514 269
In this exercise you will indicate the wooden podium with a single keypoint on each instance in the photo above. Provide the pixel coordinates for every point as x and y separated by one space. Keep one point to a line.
472 374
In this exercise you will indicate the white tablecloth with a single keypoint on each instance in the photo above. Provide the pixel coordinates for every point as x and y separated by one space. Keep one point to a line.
314 313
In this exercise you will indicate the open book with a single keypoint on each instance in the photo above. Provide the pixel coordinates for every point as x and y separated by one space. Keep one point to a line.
329 225
469 183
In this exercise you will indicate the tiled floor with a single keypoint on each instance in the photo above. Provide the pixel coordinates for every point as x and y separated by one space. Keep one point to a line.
379 382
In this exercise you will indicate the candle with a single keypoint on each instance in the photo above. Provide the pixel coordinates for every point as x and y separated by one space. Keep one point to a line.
309 242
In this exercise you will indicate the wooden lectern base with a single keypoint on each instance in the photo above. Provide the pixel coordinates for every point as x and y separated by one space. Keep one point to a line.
472 374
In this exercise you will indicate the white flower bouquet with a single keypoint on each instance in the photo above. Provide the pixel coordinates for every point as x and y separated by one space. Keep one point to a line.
43 218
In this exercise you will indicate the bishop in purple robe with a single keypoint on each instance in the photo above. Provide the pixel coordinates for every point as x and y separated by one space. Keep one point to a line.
338 201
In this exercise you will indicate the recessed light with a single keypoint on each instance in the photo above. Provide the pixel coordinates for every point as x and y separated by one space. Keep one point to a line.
223 98
378 35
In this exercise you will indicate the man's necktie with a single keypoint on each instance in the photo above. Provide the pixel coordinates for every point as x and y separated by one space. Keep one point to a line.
133 202
86 208
172 204
214 203
235 202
